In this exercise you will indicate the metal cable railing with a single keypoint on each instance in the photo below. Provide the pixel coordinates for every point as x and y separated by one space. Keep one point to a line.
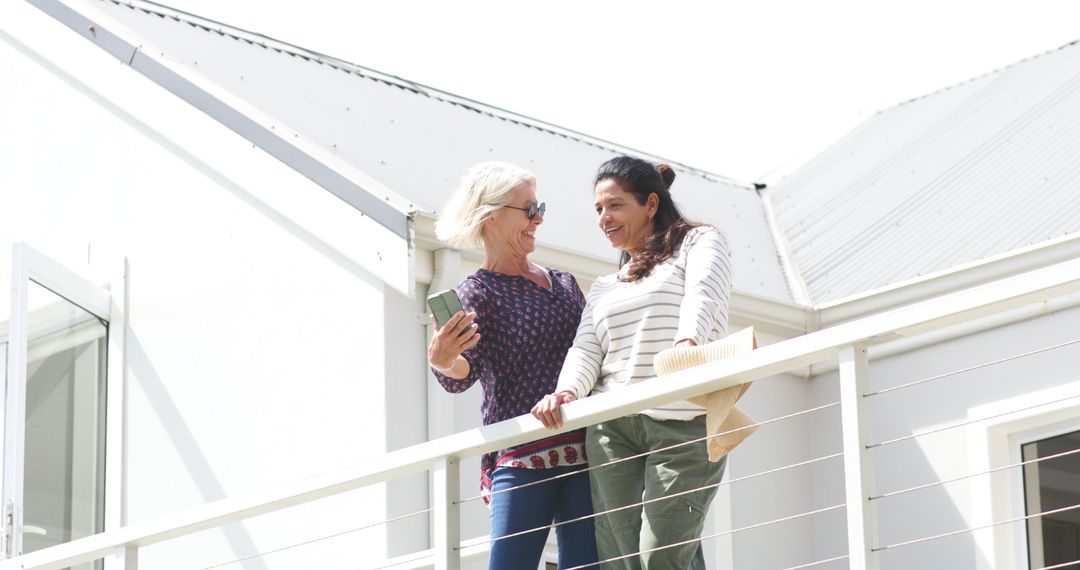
714 535
591 516
970 422
423 559
664 498
979 473
319 539
848 341
976 474
549 527
970 475
650 452
400 562
970 368
1072 564
974 528
896 440
817 563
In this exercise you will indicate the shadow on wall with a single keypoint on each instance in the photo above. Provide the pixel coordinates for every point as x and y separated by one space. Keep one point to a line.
272 214
919 514
187 448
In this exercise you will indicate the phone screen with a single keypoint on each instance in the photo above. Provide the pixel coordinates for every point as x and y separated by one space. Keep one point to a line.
444 305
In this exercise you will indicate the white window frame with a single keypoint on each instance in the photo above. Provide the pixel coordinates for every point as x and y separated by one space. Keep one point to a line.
1003 438
29 265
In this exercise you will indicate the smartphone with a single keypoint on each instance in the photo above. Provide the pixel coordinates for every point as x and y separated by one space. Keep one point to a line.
444 305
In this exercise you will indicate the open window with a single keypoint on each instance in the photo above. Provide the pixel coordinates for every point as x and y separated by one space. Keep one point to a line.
55 405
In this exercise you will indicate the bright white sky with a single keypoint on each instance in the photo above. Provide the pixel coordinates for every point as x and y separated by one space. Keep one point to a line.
747 89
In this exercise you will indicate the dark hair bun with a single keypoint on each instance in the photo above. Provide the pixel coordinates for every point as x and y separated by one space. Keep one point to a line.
667 173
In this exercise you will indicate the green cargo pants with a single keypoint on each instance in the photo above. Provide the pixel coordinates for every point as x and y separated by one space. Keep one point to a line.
656 475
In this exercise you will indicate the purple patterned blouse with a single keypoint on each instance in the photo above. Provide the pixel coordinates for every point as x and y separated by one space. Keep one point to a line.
525 332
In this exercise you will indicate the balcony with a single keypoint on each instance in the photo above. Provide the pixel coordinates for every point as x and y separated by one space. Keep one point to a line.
875 526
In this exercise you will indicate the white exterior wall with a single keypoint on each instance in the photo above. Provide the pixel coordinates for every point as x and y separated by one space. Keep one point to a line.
260 321
998 389
777 495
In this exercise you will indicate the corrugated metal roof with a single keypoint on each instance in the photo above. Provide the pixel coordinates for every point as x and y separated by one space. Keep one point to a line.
419 141
972 171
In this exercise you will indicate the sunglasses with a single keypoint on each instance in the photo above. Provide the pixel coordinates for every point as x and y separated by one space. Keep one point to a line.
533 210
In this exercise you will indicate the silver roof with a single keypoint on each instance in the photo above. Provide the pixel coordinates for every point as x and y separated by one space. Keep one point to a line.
418 141
966 173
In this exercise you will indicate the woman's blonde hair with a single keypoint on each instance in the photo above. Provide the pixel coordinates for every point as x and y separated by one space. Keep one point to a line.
484 188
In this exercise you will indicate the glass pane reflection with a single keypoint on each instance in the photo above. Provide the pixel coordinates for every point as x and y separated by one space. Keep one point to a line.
1051 485
65 422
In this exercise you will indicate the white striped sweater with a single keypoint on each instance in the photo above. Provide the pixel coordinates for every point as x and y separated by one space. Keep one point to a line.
624 325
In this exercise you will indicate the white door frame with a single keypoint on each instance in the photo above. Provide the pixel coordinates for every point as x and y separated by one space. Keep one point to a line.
3 414
30 265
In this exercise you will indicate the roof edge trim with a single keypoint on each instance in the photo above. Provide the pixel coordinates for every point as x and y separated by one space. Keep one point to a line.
964 276
994 71
418 88
800 293
334 175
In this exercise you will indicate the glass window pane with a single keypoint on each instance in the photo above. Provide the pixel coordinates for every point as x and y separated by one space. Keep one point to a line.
1050 485
63 490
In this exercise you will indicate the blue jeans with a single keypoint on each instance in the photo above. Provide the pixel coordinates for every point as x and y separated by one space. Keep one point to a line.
559 500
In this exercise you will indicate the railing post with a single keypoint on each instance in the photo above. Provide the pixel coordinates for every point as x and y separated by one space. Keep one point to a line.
125 558
447 527
858 467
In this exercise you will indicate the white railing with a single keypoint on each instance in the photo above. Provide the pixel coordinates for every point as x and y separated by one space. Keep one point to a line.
848 343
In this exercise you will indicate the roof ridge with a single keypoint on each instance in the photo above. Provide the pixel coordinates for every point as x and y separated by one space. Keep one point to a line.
980 76
267 42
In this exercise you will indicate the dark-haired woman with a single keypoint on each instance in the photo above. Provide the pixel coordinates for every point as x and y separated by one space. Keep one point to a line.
672 289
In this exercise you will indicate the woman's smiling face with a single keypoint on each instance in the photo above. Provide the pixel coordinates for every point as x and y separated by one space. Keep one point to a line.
624 221
509 230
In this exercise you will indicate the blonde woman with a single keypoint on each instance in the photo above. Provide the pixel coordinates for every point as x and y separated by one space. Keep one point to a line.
519 321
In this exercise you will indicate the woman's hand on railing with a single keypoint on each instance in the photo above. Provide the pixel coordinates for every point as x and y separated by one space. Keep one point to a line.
547 410
448 342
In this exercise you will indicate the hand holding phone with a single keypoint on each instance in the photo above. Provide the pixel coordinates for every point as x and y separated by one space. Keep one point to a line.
446 346
444 305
